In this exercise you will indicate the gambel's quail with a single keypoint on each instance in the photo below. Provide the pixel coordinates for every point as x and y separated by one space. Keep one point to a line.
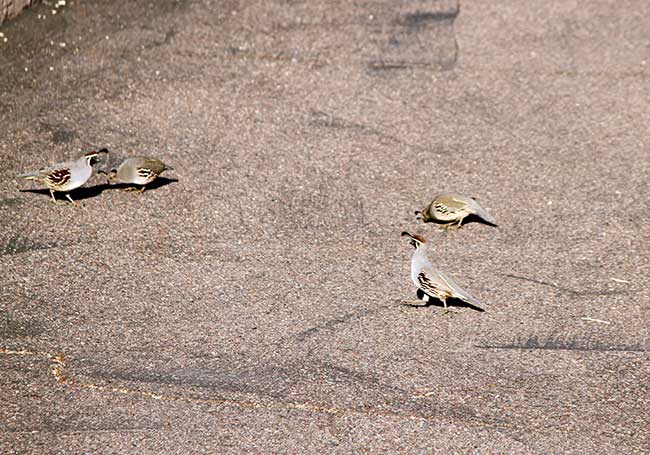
138 170
452 209
66 176
430 282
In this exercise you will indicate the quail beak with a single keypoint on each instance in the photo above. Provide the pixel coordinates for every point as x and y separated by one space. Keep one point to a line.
108 175
411 240
99 156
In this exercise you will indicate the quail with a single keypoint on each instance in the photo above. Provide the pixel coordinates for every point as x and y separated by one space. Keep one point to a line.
452 208
432 283
67 176
138 170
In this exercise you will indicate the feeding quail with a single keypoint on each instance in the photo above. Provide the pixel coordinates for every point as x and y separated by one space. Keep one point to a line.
66 176
452 209
430 282
138 170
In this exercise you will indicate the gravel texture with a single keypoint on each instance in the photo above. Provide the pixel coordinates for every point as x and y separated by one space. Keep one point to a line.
250 301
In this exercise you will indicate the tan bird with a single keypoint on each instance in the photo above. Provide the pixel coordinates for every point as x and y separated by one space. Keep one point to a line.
138 170
432 283
452 209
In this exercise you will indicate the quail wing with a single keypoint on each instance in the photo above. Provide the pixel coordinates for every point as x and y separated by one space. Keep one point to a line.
437 284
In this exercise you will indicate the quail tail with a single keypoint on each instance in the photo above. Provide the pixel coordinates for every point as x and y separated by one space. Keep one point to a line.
472 302
483 214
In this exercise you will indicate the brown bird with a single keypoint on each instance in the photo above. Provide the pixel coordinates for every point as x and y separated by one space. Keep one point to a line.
138 170
452 209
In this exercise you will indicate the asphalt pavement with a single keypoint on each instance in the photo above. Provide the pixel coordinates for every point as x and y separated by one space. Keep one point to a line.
251 300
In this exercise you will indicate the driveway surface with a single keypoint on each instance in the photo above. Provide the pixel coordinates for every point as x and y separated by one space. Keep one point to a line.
250 302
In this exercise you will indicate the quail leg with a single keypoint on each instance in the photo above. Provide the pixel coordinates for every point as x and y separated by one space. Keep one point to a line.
52 194
445 310
454 225
67 195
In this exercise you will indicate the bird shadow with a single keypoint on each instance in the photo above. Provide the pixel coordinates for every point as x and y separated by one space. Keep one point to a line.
451 302
78 194
88 192
468 219
158 183
477 219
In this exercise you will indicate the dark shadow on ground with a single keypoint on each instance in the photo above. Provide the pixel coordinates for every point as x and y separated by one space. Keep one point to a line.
158 183
80 194
562 342
77 195
468 219
456 303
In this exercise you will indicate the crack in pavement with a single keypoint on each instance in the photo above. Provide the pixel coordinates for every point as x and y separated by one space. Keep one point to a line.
58 370
567 289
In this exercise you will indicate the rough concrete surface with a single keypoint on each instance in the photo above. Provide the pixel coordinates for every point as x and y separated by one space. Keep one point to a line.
250 301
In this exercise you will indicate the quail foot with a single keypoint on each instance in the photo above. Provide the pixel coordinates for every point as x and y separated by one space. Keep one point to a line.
138 170
431 283
451 208
67 176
